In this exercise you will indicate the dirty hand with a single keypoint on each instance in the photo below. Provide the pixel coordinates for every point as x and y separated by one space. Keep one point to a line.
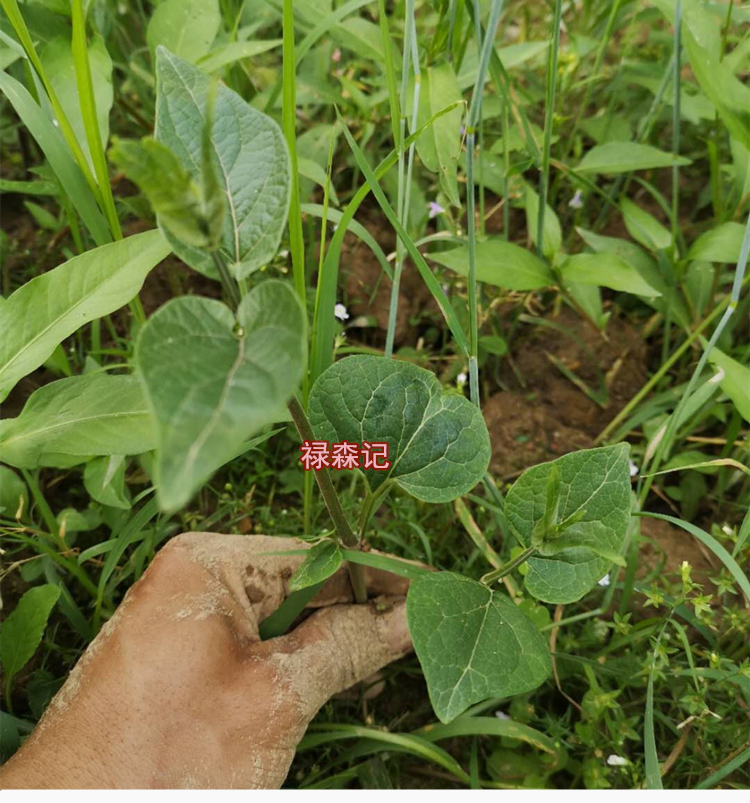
178 691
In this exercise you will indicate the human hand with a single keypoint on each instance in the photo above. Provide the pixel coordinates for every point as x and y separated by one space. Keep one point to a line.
178 691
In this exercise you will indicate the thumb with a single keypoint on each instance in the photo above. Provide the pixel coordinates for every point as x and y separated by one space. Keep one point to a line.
339 646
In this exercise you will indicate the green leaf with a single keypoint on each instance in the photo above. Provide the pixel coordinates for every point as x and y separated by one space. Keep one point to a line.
14 495
80 416
51 141
606 270
227 54
186 27
472 643
552 230
625 157
729 96
250 159
49 308
440 144
104 479
648 269
175 197
500 263
438 445
57 60
736 381
213 380
644 227
22 631
720 244
321 561
594 484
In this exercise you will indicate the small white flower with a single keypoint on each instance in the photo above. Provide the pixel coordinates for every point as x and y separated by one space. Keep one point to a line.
501 715
340 312
336 55
284 254
461 379
576 202
617 761
435 209
605 581
633 468
727 530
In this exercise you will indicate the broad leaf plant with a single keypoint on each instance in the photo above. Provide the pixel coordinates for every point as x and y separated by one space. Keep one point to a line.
208 376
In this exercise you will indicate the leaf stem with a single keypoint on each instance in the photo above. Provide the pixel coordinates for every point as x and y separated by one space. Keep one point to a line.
340 522
228 283
507 568
372 502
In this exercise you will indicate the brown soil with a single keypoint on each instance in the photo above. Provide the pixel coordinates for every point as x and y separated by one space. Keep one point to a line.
550 416
665 547
362 273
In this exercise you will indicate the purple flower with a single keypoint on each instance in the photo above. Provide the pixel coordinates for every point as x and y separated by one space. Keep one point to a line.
435 209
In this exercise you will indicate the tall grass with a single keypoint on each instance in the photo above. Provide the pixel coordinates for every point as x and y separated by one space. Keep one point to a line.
410 55
475 110
289 119
549 111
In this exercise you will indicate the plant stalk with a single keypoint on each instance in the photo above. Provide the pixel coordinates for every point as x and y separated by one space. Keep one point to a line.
508 567
411 53
343 529
548 123
227 281
475 110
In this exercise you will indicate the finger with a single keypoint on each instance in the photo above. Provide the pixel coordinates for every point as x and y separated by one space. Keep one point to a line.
338 647
256 569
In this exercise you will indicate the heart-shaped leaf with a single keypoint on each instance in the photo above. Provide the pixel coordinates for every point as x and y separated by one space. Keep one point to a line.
322 560
594 484
472 643
250 160
438 445
212 380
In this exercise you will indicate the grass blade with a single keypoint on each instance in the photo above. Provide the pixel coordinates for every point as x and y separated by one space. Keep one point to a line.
410 743
728 768
58 155
88 112
429 279
289 119
325 298
19 26
549 111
